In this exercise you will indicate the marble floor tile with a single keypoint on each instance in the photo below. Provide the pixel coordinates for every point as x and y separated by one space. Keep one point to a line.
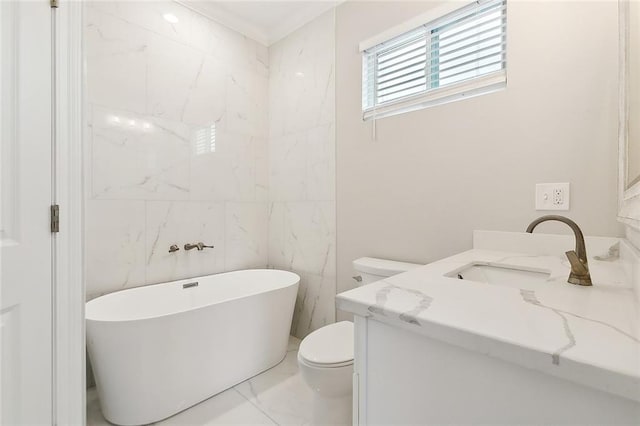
94 415
226 408
281 393
276 396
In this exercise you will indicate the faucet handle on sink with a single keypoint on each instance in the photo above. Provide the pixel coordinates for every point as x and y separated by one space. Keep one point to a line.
579 269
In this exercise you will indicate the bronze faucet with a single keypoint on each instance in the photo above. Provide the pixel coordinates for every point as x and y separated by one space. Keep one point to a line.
578 258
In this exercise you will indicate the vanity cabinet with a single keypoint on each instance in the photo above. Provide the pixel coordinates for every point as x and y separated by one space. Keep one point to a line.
402 377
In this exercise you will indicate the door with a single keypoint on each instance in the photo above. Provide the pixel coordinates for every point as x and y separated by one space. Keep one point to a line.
26 243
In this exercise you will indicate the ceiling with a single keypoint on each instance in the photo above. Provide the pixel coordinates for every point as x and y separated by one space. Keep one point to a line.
265 21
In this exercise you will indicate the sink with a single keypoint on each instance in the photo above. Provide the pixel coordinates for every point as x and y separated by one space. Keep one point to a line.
501 275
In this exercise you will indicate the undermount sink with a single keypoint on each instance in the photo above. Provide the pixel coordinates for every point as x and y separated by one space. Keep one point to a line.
500 275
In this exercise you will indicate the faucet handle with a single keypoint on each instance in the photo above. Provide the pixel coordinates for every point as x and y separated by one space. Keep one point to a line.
577 265
173 248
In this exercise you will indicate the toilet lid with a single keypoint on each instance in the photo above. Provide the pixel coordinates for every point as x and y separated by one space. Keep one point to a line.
330 346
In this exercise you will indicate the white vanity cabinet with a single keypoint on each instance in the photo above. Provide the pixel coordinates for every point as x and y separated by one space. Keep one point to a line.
402 377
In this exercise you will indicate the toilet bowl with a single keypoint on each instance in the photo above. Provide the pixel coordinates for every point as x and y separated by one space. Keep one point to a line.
325 359
325 356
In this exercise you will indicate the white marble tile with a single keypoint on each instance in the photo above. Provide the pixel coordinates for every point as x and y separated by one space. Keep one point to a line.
302 72
208 36
171 81
116 61
276 252
226 408
247 102
240 52
94 414
309 237
302 239
321 163
281 393
312 103
245 235
180 222
262 184
276 103
148 15
315 304
293 344
262 58
229 173
173 72
206 97
288 167
138 157
115 246
302 167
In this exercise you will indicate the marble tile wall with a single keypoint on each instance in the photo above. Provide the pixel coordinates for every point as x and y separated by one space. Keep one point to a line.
302 208
177 147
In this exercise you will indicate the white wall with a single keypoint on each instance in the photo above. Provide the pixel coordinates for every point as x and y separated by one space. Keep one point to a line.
431 177
302 230
147 187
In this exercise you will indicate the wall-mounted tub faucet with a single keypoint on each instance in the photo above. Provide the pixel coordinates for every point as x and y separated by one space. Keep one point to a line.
173 248
199 246
578 258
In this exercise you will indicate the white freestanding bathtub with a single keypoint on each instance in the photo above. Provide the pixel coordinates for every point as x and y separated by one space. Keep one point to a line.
157 350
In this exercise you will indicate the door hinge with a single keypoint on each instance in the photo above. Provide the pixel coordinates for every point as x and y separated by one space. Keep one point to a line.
53 3
55 218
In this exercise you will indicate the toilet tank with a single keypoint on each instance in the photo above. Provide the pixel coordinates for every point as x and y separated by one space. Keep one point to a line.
370 269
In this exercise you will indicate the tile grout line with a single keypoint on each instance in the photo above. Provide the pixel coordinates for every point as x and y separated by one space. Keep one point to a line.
258 408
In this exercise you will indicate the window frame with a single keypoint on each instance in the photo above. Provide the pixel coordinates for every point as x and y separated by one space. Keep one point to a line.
433 94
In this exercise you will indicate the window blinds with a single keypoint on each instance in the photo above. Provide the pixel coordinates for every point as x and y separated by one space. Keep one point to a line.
459 55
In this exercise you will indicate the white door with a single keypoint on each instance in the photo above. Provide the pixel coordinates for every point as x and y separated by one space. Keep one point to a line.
25 197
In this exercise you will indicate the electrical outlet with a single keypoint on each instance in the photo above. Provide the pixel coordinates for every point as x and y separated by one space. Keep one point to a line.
552 196
558 196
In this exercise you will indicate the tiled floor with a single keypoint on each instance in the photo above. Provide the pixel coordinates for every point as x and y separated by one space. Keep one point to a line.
277 396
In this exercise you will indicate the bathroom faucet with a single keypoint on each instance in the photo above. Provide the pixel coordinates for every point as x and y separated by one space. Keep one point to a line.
578 258
199 246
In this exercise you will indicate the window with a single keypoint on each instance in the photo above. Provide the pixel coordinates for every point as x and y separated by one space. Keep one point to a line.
458 55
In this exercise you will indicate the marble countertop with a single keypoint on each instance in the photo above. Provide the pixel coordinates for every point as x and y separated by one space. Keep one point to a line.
589 335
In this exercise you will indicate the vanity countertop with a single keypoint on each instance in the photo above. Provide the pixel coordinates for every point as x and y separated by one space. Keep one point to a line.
589 335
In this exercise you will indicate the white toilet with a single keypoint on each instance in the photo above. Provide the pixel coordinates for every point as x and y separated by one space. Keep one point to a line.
325 356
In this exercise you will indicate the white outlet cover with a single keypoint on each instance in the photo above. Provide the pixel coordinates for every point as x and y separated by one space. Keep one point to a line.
545 196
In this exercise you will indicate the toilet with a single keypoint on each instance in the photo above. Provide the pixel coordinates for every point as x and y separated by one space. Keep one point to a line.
325 356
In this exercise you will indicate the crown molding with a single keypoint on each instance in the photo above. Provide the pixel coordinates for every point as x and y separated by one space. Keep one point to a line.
229 20
293 23
264 36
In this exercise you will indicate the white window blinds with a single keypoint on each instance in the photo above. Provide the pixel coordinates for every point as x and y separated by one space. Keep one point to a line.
459 55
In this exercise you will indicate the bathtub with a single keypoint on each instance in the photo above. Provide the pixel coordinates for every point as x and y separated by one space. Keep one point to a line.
157 350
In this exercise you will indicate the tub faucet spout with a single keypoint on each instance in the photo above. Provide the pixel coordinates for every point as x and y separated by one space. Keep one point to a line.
200 246
577 258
